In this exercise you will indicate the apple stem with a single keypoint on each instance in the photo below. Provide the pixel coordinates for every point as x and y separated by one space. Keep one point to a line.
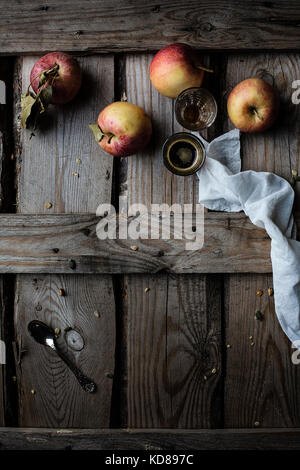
109 135
257 114
204 68
51 72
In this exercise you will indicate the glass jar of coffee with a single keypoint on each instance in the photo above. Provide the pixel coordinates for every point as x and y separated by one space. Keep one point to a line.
183 153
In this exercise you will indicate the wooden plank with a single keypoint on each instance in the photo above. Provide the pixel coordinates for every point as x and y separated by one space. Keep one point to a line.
261 382
8 411
32 27
175 332
173 338
48 159
149 439
46 165
58 399
29 244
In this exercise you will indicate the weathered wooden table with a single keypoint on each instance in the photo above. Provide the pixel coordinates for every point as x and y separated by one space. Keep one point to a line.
148 350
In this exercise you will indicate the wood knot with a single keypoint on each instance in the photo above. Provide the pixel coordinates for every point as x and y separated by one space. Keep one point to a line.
156 9
207 27
266 76
86 231
74 340
72 264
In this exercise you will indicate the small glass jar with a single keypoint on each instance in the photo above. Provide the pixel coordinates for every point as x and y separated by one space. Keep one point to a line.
195 108
183 154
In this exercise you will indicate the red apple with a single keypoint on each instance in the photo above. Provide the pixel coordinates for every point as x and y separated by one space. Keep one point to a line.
252 105
62 72
123 129
175 68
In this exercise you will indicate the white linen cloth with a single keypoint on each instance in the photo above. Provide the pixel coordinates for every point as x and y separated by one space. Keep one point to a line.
267 199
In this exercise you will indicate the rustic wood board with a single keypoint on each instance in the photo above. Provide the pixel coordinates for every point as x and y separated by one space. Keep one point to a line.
58 400
114 25
173 323
261 383
48 159
172 367
174 330
149 439
28 244
46 165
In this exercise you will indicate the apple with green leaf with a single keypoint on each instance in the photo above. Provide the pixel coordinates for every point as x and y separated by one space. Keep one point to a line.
59 70
253 105
122 129
55 79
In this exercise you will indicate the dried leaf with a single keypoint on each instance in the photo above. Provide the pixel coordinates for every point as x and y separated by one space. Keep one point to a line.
32 106
42 80
49 74
98 134
29 112
45 97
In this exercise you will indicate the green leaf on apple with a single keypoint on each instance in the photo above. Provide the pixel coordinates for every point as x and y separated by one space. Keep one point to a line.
98 134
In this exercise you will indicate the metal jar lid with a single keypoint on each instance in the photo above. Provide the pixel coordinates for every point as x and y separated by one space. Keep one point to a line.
192 140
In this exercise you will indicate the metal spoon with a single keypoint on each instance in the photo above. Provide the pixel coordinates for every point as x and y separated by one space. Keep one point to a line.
45 335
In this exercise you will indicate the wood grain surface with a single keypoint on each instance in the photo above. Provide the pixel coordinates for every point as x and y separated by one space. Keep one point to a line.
173 323
149 439
87 26
29 244
49 159
261 384
48 393
189 353
58 400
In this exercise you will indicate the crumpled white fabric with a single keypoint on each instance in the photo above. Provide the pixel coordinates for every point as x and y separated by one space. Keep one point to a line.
267 199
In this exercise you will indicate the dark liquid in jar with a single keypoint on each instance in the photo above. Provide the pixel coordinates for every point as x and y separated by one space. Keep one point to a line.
193 115
182 154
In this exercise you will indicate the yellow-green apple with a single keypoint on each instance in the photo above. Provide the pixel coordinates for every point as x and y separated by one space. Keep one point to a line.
175 68
122 129
59 70
252 105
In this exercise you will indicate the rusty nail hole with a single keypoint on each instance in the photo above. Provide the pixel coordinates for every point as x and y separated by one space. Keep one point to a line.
72 264
86 231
